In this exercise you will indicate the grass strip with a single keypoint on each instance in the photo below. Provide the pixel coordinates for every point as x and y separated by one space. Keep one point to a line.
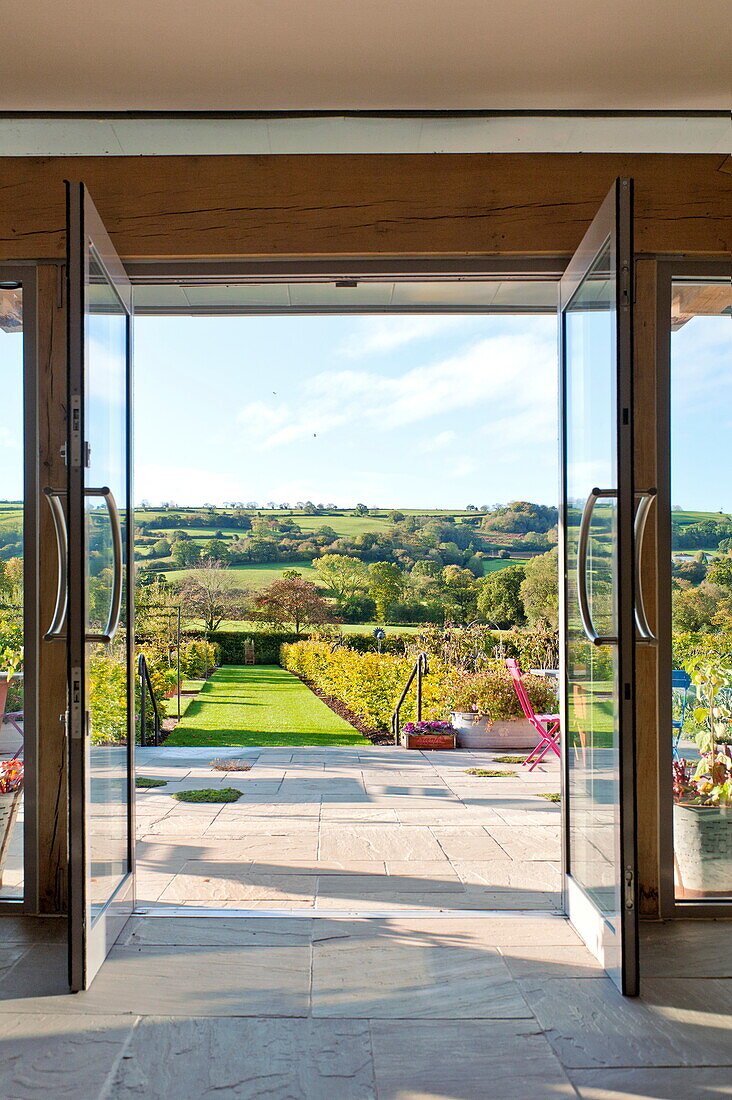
509 759
489 774
144 782
209 794
555 796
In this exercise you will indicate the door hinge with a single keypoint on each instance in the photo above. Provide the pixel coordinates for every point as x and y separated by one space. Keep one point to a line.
629 889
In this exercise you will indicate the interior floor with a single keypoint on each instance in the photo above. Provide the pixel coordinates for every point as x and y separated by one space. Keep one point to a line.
383 1008
350 828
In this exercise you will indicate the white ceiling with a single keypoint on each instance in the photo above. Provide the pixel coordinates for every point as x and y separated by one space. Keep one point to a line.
176 55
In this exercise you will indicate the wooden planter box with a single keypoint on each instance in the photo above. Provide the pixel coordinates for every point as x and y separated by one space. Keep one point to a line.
429 740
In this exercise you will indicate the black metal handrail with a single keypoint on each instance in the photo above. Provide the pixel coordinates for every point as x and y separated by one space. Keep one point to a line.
421 668
145 688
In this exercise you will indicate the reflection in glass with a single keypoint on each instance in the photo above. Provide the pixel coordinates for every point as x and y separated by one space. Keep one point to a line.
106 433
592 736
11 593
701 547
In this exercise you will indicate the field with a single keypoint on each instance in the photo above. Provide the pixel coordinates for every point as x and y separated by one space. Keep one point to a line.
255 576
245 626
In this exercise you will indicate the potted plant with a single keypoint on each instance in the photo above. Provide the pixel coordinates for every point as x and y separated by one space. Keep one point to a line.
487 713
11 785
703 791
11 659
429 735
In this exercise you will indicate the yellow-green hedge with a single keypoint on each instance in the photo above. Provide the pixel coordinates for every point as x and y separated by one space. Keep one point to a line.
368 683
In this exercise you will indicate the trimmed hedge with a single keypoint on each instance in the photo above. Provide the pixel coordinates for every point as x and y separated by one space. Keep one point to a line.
233 644
369 684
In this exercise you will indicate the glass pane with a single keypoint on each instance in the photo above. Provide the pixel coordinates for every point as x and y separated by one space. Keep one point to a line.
592 735
701 547
11 593
106 433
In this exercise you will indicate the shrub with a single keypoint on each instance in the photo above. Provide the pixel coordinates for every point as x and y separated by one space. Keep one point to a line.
493 694
368 683
198 659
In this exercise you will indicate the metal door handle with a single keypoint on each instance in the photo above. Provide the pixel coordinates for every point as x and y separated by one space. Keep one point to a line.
53 496
645 498
115 607
582 549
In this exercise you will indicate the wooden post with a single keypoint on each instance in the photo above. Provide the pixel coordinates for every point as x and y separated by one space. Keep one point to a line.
52 758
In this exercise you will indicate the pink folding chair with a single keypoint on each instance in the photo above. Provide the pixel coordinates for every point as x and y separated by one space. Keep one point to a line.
546 725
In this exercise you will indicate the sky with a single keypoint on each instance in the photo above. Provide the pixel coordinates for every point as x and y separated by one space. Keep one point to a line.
701 415
393 411
412 411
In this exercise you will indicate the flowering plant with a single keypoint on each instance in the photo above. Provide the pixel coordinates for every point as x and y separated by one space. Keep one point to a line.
429 727
11 658
709 783
11 776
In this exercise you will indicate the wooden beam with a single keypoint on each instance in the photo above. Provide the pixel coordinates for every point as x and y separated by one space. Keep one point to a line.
364 205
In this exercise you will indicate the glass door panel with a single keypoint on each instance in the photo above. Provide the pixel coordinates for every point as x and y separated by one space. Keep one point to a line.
100 612
597 513
12 493
700 728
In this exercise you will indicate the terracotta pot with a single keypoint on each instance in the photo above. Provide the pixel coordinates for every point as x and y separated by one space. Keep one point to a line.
703 849
429 740
476 731
8 809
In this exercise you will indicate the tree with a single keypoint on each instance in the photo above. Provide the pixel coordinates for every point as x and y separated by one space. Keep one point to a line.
720 572
210 594
499 599
341 575
460 590
216 550
185 554
293 602
386 584
694 609
396 517
540 588
361 510
160 549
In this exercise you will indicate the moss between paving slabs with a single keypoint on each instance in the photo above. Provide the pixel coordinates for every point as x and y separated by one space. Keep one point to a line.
256 705
490 774
209 794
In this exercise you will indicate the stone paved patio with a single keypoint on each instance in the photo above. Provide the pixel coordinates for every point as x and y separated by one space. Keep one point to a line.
404 1007
355 829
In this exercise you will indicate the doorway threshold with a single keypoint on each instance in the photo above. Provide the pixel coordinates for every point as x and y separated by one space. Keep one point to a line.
338 914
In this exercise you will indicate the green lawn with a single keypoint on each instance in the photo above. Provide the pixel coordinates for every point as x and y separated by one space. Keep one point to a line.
260 705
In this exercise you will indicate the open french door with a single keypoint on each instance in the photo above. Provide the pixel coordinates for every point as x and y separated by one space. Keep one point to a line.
597 541
100 619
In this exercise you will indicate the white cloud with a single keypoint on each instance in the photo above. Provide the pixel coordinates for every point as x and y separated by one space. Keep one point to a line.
515 375
379 335
438 442
186 484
